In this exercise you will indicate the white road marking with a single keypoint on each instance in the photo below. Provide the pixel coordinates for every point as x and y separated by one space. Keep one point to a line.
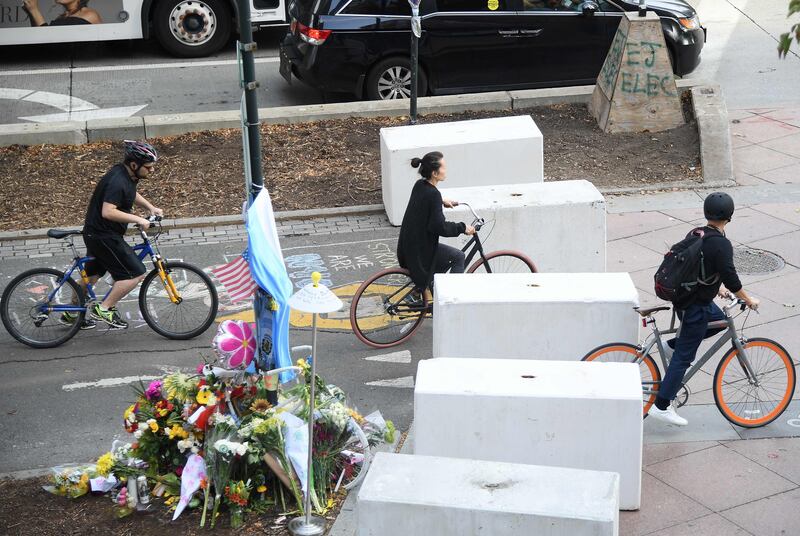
85 115
108 382
14 94
403 356
135 67
406 382
61 101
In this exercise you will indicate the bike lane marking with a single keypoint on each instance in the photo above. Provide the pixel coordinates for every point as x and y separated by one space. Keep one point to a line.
403 356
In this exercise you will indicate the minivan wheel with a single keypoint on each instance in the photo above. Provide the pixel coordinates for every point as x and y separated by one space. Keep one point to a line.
390 79
192 28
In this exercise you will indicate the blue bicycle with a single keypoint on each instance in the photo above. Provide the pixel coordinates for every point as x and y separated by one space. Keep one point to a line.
176 299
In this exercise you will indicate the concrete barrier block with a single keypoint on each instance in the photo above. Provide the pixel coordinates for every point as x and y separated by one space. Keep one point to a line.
557 317
562 414
414 495
444 104
481 152
716 154
175 124
60 133
560 225
113 129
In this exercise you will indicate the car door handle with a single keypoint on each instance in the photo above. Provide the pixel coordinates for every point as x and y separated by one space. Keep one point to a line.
508 33
531 33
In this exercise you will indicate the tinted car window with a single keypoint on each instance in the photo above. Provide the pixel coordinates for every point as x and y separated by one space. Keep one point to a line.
471 5
561 5
378 7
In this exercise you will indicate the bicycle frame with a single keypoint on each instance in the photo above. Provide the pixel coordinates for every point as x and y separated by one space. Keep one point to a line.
729 335
474 242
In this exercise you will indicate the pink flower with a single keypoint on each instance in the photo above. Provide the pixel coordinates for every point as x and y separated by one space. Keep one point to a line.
153 390
235 343
199 368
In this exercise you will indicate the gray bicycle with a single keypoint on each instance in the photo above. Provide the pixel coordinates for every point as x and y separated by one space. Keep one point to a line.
754 381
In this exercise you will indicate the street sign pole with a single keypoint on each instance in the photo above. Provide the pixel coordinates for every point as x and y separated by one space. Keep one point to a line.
642 8
416 33
250 124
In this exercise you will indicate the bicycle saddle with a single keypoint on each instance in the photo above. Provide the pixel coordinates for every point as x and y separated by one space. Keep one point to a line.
651 310
61 233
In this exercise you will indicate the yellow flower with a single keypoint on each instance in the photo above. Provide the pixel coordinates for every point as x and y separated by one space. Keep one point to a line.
172 394
177 431
356 415
104 463
303 364
128 414
171 500
153 425
261 489
260 405
203 395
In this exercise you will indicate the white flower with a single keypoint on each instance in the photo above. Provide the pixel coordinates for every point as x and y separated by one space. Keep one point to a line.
195 450
225 447
138 433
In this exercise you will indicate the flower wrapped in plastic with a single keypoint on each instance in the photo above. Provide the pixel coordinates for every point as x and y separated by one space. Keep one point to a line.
71 480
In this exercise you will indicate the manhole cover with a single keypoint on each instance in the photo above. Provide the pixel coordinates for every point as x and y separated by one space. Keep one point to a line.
755 261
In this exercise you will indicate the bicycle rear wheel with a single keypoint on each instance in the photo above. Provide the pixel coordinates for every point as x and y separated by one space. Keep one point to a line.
386 310
352 464
195 309
26 307
503 262
621 352
755 403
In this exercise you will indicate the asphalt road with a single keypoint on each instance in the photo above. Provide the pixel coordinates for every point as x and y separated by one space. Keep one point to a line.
65 404
137 77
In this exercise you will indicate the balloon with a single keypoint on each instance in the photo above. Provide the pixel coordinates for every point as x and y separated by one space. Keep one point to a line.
235 344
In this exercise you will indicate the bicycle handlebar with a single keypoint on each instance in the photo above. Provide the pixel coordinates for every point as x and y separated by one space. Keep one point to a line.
478 221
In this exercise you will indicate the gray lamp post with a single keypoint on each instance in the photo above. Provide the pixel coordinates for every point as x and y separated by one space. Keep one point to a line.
642 8
416 33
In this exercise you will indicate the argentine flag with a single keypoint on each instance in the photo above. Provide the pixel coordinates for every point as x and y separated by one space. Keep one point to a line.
268 270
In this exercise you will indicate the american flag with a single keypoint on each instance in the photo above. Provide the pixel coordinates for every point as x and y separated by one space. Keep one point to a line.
236 278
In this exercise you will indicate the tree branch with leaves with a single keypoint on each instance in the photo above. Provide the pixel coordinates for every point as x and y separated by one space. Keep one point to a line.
794 32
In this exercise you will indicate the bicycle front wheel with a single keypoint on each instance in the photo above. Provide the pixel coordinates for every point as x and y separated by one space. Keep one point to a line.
386 310
27 308
353 462
193 309
503 262
621 352
752 402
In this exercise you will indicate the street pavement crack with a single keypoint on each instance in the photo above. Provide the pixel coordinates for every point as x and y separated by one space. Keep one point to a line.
119 352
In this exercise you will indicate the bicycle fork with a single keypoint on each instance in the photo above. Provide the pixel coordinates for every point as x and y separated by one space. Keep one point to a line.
166 280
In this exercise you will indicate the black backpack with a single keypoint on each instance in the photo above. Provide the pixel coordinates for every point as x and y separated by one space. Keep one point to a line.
683 271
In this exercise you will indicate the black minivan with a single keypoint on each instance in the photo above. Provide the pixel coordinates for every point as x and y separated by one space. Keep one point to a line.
362 46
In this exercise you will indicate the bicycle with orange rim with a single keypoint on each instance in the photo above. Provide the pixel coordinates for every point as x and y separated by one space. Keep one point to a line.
754 381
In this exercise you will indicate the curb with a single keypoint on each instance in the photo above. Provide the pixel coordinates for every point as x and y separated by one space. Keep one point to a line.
149 126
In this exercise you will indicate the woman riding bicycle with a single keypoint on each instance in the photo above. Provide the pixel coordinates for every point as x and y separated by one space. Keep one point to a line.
418 248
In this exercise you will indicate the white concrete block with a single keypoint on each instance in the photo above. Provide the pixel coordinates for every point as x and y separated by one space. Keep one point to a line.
532 316
422 495
480 152
585 415
560 225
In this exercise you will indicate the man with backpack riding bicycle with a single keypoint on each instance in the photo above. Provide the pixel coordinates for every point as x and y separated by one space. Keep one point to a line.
107 218
692 275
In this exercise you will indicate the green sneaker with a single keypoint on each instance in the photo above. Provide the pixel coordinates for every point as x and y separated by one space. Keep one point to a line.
68 319
109 316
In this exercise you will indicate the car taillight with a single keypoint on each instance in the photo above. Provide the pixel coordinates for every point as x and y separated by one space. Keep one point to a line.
312 36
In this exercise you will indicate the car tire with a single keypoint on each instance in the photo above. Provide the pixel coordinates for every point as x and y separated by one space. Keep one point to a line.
192 28
383 80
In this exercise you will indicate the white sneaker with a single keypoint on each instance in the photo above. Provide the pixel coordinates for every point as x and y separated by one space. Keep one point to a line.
669 415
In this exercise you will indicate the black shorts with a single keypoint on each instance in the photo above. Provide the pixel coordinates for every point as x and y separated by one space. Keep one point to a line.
112 254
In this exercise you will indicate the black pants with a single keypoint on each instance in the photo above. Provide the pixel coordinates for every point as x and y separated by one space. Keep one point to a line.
448 258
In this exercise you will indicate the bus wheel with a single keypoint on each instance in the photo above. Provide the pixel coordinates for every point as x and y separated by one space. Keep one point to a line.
192 28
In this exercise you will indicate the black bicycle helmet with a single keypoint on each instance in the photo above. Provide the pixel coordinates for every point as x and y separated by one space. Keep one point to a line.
140 152
718 207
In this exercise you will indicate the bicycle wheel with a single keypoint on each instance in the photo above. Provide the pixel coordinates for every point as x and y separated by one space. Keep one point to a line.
26 304
385 311
352 464
503 262
195 309
621 352
752 404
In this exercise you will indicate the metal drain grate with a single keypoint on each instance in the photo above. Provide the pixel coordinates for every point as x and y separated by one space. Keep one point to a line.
755 261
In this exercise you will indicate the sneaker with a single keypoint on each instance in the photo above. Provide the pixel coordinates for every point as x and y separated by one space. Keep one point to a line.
669 416
109 316
68 319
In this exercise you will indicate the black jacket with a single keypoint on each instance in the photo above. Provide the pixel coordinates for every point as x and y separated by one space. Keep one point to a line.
423 224
718 259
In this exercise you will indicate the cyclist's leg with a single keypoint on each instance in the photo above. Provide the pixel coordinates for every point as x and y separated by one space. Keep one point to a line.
694 325
448 258
715 315
127 270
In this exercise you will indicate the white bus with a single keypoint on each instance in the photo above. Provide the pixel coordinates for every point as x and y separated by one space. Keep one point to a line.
186 28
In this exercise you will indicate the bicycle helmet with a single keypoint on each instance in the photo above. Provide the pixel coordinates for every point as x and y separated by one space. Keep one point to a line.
140 152
718 207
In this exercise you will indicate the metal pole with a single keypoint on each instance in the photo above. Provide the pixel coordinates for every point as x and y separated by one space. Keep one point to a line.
247 46
311 416
414 75
642 8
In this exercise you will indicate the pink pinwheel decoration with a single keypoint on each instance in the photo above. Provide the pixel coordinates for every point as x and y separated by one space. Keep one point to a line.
235 344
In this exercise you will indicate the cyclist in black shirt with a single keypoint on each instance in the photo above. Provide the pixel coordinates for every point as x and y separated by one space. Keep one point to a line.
418 248
695 315
107 218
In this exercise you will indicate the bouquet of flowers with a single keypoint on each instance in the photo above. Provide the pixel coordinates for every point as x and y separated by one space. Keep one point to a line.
71 480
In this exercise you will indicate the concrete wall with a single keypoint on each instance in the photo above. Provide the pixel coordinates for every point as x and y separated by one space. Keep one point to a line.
420 495
560 225
502 150
532 316
564 414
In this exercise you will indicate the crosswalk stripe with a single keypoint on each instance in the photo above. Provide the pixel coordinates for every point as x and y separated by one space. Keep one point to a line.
403 356
406 382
